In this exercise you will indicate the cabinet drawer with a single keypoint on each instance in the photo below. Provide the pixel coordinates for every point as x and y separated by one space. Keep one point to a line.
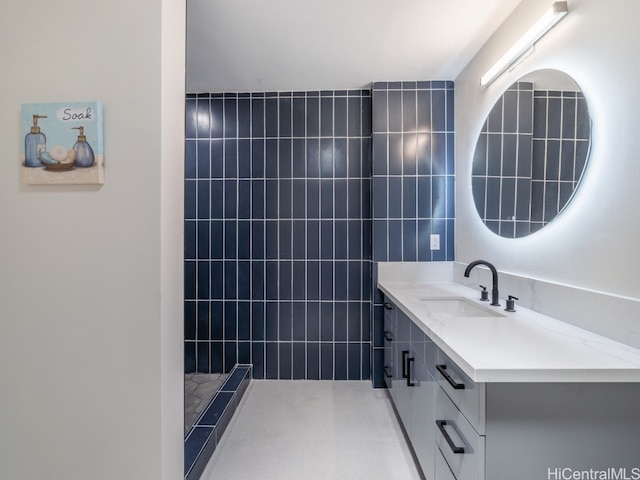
460 444
443 472
466 394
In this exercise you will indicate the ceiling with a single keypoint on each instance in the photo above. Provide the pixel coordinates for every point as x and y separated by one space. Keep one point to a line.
282 45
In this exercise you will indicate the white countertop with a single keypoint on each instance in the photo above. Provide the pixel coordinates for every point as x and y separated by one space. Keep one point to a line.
523 346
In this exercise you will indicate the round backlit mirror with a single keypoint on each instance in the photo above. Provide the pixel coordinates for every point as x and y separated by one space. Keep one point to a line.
531 153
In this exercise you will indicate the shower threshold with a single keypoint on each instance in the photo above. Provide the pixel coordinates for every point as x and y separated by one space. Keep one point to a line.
199 389
203 436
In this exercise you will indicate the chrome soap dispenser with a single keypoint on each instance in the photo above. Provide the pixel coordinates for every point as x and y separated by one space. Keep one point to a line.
84 152
35 142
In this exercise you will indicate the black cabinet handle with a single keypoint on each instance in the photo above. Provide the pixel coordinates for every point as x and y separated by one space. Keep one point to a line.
387 336
404 363
409 363
453 446
443 370
388 372
388 306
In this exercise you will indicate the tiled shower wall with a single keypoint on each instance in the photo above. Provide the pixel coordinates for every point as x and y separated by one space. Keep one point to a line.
413 170
279 236
413 181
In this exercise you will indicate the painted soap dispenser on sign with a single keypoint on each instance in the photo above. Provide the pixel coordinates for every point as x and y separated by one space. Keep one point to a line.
35 142
84 152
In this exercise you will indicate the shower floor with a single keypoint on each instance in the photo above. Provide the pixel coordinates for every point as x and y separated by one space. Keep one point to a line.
199 389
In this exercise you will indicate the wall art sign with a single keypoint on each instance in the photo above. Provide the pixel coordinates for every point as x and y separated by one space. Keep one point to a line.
63 143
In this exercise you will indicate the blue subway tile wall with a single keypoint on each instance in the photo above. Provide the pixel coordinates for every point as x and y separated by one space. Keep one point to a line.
278 233
413 182
289 198
413 170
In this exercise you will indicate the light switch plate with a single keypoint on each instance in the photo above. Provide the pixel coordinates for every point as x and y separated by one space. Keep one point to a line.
434 241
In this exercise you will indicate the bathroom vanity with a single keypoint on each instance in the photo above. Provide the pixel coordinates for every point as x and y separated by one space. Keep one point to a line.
486 394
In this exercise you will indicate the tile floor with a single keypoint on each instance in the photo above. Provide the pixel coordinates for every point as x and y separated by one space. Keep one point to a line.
199 388
310 430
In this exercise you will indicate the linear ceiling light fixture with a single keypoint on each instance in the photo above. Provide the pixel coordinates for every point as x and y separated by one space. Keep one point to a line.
552 16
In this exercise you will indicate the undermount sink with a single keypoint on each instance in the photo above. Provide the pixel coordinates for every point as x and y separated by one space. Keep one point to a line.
458 307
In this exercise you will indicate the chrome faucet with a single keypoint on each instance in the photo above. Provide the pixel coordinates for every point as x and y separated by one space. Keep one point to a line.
495 298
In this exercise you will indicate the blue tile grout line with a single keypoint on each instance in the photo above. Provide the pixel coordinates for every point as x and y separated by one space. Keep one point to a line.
202 439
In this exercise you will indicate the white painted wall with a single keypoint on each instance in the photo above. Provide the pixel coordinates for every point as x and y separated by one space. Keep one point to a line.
91 277
594 243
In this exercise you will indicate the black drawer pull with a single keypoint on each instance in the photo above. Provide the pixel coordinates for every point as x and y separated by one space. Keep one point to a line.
409 363
443 370
388 306
388 372
454 448
404 363
387 336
